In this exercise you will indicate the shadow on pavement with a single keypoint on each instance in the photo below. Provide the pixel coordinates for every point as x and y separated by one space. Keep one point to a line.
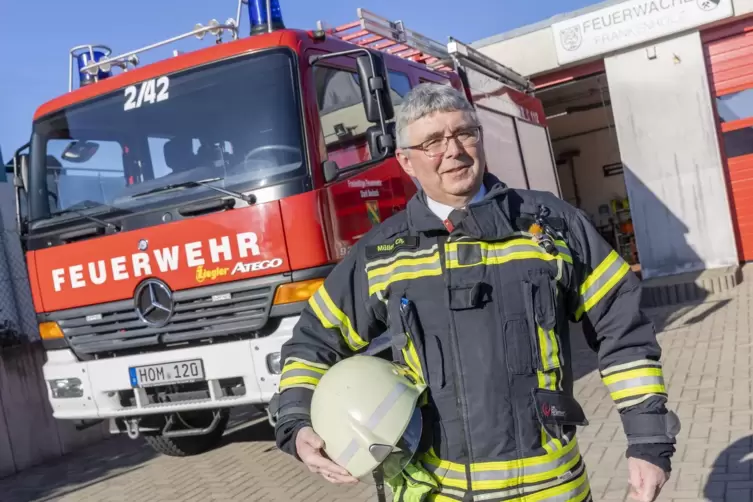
70 473
114 457
731 476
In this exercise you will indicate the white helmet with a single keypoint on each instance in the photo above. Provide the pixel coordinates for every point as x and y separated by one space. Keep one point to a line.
364 409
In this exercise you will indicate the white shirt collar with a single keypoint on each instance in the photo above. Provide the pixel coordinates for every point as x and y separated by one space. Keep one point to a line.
443 211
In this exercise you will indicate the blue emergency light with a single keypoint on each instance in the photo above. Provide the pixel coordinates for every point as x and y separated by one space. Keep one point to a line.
257 12
84 58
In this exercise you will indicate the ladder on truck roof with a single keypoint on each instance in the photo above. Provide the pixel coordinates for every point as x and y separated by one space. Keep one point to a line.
379 33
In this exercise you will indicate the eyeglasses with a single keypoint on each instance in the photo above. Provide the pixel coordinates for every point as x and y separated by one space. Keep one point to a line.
436 147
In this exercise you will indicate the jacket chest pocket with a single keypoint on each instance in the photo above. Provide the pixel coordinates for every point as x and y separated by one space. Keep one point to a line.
419 350
529 325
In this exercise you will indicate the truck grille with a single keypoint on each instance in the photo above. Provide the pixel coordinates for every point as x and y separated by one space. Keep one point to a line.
199 314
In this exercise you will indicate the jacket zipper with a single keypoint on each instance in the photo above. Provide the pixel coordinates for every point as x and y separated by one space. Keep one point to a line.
458 380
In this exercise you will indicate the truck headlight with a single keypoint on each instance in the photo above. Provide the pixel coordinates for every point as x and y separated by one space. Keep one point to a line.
66 388
273 363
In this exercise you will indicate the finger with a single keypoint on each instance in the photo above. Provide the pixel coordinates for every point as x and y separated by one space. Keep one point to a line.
315 459
339 479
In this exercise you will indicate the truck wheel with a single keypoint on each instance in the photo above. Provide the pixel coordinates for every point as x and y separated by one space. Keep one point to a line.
187 446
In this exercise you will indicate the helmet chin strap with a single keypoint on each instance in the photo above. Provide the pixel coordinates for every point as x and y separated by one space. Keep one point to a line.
379 481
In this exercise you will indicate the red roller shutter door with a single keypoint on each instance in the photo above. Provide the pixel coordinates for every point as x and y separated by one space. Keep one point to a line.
729 56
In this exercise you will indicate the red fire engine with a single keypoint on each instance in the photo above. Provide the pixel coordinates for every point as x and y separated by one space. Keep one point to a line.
176 217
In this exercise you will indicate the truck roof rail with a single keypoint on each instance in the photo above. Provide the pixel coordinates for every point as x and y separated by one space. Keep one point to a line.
93 66
376 32
468 57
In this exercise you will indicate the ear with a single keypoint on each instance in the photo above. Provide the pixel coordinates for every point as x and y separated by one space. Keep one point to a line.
405 163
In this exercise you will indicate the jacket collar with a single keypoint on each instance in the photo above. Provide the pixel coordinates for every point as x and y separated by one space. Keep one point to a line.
487 217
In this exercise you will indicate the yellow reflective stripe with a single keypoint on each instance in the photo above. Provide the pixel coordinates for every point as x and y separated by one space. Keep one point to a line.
601 281
500 253
411 357
527 478
627 375
598 272
637 391
626 366
524 462
402 254
302 366
310 364
577 490
405 262
406 276
332 317
298 381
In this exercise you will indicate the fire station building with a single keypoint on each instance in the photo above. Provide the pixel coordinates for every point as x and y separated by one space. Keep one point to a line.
649 106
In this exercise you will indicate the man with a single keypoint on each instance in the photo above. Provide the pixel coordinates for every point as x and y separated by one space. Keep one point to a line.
482 279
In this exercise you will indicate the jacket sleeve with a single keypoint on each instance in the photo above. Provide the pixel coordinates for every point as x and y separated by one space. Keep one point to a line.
338 321
606 298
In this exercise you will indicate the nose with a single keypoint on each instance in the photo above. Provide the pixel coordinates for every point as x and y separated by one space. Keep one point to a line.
454 148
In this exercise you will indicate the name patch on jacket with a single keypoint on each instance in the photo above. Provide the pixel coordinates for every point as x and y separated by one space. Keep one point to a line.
389 248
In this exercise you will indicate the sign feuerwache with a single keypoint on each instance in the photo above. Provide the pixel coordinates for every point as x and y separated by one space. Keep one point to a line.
632 22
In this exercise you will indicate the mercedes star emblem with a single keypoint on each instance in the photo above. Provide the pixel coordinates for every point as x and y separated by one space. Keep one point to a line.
154 302
143 245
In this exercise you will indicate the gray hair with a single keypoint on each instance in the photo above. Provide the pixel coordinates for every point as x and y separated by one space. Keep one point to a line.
426 99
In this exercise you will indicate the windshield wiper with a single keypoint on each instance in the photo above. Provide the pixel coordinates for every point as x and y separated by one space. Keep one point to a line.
98 221
248 198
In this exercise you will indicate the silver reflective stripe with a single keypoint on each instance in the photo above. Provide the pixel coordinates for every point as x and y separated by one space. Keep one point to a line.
403 254
317 298
443 472
301 373
527 470
345 326
376 417
606 276
498 253
307 363
635 382
380 274
549 380
507 474
580 485
631 365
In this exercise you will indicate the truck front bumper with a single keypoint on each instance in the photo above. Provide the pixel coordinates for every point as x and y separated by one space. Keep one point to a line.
97 389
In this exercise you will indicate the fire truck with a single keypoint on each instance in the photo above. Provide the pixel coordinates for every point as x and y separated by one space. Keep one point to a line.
176 216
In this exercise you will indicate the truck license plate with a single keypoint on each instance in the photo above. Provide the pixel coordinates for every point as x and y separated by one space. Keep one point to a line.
167 373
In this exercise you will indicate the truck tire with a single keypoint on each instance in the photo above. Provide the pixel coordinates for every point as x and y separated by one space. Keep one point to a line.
187 446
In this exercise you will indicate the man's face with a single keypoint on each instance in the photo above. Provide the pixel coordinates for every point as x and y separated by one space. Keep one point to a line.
452 176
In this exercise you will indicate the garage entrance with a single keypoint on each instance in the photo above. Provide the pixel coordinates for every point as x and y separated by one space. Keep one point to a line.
729 57
587 153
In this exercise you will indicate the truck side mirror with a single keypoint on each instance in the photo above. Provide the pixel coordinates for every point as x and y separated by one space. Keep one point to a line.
21 171
375 88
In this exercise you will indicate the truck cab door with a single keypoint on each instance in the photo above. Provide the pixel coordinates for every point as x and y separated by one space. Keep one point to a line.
363 196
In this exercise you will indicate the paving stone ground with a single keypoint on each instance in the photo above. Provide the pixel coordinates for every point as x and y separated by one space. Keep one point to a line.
707 364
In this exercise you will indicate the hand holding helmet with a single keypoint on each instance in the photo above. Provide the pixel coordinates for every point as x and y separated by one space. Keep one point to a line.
365 417
309 447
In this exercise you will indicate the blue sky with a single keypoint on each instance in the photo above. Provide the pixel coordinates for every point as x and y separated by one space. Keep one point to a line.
37 36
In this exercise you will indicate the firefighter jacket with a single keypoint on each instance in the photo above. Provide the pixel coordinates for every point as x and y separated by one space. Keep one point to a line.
481 313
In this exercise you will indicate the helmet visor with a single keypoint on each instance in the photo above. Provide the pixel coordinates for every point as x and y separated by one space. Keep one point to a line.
402 453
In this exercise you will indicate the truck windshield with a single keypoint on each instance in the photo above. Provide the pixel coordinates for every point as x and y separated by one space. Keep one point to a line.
236 122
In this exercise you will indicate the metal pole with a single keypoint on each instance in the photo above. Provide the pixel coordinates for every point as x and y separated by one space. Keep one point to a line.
269 16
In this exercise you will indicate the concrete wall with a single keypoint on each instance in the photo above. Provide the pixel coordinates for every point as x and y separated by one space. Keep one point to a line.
742 7
528 54
664 120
